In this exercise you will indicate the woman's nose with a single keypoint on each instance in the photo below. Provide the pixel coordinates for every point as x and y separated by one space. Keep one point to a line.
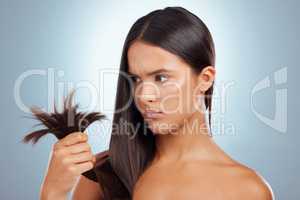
147 92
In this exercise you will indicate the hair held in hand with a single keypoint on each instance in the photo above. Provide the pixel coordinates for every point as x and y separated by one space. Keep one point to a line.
62 123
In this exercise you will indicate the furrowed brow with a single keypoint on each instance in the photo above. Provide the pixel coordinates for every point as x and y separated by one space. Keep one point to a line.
152 73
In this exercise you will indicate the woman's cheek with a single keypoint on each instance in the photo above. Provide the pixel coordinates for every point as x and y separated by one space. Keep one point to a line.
176 101
170 100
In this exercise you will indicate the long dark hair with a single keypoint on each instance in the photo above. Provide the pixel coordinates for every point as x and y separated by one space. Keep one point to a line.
180 32
132 145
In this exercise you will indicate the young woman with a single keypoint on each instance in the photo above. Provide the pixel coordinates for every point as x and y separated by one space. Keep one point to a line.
165 149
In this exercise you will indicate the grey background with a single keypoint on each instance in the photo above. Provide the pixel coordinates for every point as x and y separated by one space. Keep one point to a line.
253 40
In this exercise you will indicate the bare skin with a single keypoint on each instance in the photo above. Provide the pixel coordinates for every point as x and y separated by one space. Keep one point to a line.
203 173
87 189
187 164
70 157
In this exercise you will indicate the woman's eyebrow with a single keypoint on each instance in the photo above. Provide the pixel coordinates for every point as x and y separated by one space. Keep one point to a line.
153 72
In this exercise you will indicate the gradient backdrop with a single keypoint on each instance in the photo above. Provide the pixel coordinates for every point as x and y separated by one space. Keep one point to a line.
49 46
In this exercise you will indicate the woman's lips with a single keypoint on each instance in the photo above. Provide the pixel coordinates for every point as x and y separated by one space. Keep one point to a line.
153 115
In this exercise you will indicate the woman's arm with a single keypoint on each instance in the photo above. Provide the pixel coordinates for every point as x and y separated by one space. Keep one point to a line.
87 189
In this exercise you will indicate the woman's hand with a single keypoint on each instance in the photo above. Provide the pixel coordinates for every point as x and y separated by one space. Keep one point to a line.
70 157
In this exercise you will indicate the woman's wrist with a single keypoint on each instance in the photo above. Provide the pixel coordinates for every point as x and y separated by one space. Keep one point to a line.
48 193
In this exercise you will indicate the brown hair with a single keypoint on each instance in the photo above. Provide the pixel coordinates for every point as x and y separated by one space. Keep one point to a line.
178 31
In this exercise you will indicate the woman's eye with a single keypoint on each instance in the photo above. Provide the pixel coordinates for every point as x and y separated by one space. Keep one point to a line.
135 79
160 78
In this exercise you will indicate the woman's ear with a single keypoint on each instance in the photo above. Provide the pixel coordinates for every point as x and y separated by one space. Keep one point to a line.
206 78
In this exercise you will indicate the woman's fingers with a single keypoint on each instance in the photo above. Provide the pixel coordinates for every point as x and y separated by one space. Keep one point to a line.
78 148
74 138
83 167
71 139
71 156
81 157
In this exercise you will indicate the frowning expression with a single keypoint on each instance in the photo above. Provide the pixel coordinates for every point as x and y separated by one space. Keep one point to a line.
164 85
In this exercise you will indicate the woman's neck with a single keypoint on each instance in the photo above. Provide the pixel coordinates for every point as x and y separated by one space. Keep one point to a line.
191 142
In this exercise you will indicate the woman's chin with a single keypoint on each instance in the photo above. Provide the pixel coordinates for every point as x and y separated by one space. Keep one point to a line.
156 130
160 126
159 132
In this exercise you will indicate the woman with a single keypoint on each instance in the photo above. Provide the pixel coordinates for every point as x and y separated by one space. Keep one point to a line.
165 150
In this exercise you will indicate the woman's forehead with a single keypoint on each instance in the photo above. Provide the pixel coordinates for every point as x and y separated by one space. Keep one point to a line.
144 59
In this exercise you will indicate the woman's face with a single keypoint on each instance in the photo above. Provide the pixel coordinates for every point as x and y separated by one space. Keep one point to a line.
164 83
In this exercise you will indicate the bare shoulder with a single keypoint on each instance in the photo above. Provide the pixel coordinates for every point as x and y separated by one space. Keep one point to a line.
251 185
